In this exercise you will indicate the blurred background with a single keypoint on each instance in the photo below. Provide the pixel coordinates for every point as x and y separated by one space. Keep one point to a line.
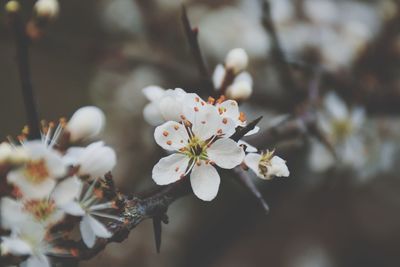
103 52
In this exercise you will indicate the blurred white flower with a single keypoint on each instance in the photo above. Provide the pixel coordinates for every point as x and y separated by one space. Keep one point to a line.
46 211
342 127
266 165
85 123
38 176
47 8
200 141
29 241
95 160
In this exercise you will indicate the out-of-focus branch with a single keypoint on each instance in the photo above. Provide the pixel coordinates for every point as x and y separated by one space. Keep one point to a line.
278 55
191 35
22 55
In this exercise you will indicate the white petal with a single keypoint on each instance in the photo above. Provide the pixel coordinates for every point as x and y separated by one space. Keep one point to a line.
73 208
205 181
171 136
28 189
98 228
206 122
249 148
152 114
320 158
153 92
335 106
170 108
358 117
192 105
85 123
96 160
226 153
88 235
37 261
229 109
67 191
11 212
237 60
170 169
255 130
278 167
252 161
244 77
15 246
218 76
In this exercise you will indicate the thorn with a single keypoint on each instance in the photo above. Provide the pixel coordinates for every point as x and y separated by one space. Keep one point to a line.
243 177
240 132
157 232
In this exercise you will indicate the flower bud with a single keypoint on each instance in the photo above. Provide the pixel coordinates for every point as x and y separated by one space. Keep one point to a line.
94 160
241 88
47 8
237 60
85 123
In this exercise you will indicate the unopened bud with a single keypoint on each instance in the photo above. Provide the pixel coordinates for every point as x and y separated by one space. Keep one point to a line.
47 8
85 123
237 60
242 87
12 6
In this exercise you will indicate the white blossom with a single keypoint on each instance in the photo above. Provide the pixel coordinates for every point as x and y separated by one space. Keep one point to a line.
46 211
38 176
266 165
85 123
199 142
89 207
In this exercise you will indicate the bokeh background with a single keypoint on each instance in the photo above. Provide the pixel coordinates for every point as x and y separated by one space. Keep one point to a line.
104 52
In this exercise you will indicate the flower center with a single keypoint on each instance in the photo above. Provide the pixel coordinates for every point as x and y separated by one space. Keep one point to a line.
40 209
36 171
342 129
265 162
196 149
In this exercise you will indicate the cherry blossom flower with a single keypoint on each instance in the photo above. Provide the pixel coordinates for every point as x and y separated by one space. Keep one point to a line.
38 176
94 161
89 206
266 165
342 127
199 142
165 105
47 211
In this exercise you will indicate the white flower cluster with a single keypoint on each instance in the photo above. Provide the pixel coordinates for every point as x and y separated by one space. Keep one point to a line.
50 179
231 78
197 134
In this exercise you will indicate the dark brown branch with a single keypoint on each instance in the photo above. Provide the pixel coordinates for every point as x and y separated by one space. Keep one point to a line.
191 35
22 56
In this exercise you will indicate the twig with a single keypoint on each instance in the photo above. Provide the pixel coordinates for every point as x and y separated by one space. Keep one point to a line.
285 74
22 55
191 35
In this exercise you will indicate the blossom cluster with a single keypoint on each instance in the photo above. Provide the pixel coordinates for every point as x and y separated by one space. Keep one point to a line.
52 181
196 133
